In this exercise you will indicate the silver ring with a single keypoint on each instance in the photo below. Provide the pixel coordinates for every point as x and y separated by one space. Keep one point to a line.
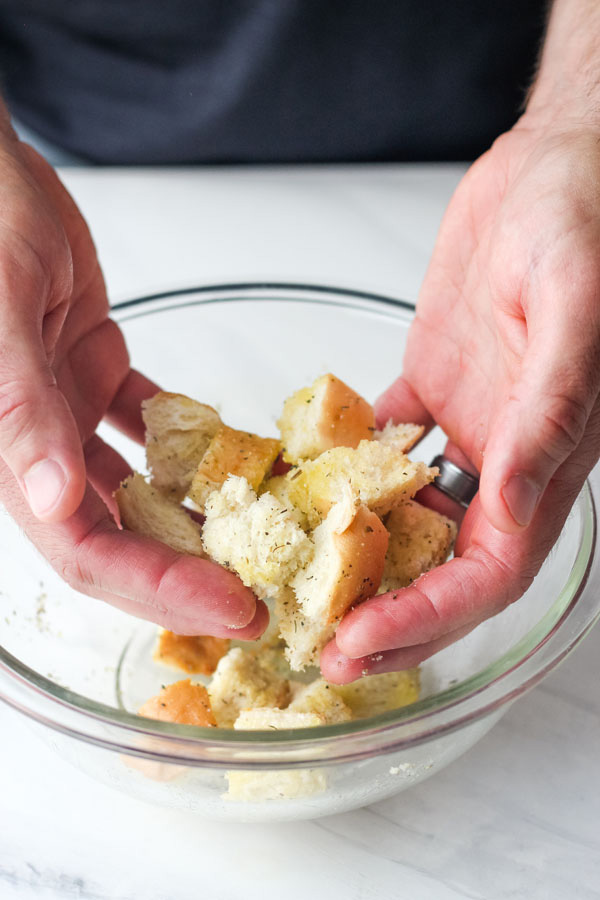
453 481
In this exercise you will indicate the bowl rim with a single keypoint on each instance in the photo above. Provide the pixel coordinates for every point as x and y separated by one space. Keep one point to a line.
474 698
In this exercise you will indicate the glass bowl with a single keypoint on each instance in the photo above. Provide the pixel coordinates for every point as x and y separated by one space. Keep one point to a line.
79 669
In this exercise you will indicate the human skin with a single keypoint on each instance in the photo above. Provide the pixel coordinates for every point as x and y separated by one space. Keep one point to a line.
508 320
63 368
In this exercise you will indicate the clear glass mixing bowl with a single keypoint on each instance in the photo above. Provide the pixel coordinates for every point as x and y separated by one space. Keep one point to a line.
79 669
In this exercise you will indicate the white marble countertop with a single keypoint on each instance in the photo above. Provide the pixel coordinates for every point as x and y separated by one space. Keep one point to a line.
518 816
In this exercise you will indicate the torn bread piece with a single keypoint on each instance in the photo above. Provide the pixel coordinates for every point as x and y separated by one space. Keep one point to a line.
279 486
280 784
380 477
256 537
232 452
272 718
243 680
420 539
181 702
147 511
196 655
178 431
402 437
322 699
349 554
327 414
376 694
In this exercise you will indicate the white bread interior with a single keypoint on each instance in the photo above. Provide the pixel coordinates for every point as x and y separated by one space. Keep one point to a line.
420 539
256 537
346 568
244 680
321 699
147 511
380 476
178 431
402 437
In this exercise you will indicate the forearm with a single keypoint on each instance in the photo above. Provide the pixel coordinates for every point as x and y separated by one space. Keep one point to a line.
567 85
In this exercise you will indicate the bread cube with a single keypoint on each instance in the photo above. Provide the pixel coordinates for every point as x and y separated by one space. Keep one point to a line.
420 538
279 784
346 568
232 452
256 537
181 702
147 511
375 694
196 655
401 437
321 699
178 431
243 680
327 414
380 478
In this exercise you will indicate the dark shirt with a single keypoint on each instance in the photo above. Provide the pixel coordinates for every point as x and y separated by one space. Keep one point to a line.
178 81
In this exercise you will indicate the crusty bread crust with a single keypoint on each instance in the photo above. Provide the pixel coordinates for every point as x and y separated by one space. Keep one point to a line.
327 414
145 510
347 566
420 539
181 702
232 452
195 655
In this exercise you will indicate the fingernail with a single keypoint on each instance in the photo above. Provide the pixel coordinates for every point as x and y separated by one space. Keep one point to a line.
44 484
521 495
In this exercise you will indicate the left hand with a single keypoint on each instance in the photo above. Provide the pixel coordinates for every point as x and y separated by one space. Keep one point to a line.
504 355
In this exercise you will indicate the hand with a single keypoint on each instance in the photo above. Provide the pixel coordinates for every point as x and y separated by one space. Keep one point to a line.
64 367
504 354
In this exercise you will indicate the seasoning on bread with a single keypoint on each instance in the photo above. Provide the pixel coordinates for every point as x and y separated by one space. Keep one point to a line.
256 537
346 568
244 680
420 538
147 511
178 431
182 702
380 476
402 437
232 452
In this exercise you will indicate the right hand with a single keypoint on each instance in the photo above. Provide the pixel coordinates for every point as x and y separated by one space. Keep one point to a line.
64 367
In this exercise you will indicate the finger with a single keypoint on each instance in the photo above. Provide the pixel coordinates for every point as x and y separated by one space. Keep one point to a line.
125 411
39 439
540 424
400 403
106 469
494 570
436 499
338 668
185 594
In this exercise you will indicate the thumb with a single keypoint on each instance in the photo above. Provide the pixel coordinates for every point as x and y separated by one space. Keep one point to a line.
39 439
538 426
